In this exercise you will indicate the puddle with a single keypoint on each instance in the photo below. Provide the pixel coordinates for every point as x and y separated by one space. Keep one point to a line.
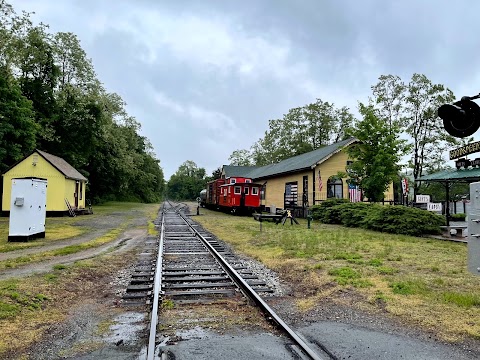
126 328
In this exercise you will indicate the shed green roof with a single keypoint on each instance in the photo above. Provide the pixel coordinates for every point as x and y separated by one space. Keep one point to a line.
460 175
296 163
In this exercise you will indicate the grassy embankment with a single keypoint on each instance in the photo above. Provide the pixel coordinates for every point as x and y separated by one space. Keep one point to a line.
422 282
30 306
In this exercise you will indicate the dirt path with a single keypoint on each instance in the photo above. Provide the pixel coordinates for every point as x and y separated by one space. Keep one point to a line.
52 246
98 225
127 239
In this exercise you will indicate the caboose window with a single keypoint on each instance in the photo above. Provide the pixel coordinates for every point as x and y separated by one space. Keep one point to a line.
238 190
254 191
229 189
233 181
248 180
246 191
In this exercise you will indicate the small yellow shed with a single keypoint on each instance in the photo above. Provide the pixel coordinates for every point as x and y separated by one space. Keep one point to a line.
64 183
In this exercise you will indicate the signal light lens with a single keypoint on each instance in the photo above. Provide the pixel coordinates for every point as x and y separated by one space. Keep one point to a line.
461 119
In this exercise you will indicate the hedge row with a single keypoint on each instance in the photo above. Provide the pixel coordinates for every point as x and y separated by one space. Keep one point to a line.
392 219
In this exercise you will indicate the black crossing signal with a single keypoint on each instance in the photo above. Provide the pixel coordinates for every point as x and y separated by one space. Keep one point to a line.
462 118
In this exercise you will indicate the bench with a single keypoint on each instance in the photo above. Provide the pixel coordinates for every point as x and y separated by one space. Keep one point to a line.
454 230
275 217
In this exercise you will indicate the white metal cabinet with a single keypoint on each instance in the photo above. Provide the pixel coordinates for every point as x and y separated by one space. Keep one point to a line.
28 208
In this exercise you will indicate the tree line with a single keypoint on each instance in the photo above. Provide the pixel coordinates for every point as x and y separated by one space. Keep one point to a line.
51 99
398 121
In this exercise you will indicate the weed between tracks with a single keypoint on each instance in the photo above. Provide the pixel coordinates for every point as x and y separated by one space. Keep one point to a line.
423 282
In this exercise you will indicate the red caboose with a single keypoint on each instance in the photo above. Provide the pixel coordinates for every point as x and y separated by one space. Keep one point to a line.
240 195
213 193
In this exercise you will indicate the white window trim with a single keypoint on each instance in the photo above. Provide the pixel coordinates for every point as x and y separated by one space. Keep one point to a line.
239 188
248 181
246 191
233 181
254 191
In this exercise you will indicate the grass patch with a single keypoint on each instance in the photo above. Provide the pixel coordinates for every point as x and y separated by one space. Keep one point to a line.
59 267
67 250
168 304
349 276
463 300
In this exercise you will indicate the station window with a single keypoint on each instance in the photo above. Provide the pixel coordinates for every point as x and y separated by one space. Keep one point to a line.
238 190
246 191
254 191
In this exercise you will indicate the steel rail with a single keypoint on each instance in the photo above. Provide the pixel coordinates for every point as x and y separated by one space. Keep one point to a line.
247 289
156 293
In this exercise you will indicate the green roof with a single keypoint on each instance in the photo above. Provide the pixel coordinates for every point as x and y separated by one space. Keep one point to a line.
294 164
465 175
240 171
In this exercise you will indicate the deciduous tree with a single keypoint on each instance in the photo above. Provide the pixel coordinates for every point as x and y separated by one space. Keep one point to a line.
376 155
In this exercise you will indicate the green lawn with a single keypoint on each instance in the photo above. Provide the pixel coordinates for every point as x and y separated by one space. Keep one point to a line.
421 281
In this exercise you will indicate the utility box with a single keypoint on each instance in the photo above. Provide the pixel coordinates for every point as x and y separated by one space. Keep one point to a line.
474 229
28 209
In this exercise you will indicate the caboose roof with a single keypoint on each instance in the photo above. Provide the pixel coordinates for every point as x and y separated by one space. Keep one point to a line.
294 164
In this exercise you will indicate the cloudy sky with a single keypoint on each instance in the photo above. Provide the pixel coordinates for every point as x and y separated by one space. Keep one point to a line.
204 77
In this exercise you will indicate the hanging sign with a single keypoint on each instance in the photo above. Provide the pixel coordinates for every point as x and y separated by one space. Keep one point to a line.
422 199
434 206
405 186
465 150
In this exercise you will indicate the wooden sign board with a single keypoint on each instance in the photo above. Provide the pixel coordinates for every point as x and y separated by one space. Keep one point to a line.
465 150
422 199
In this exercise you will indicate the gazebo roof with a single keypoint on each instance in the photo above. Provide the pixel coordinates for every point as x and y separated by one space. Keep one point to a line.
453 175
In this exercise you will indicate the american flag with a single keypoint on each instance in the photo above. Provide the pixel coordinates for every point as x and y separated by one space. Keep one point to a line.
355 193
320 183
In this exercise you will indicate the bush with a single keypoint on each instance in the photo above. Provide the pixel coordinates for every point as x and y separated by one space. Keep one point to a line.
403 220
353 214
458 217
322 212
391 219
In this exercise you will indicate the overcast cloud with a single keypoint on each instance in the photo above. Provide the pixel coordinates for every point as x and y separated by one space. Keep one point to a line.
204 77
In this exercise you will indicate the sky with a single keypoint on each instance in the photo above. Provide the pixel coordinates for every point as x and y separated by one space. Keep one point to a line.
204 77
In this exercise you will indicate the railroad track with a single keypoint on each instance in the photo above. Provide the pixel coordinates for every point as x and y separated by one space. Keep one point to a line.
187 265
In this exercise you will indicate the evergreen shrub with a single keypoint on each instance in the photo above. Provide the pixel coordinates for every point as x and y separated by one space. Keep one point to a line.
391 219
458 217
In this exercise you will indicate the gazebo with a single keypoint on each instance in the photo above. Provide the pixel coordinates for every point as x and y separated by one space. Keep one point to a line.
452 176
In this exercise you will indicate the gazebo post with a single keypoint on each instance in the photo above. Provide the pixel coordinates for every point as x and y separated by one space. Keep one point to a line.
447 208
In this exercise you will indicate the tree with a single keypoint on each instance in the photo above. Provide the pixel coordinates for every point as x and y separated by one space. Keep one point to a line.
301 130
240 158
17 125
74 66
429 139
38 81
187 182
389 99
376 155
